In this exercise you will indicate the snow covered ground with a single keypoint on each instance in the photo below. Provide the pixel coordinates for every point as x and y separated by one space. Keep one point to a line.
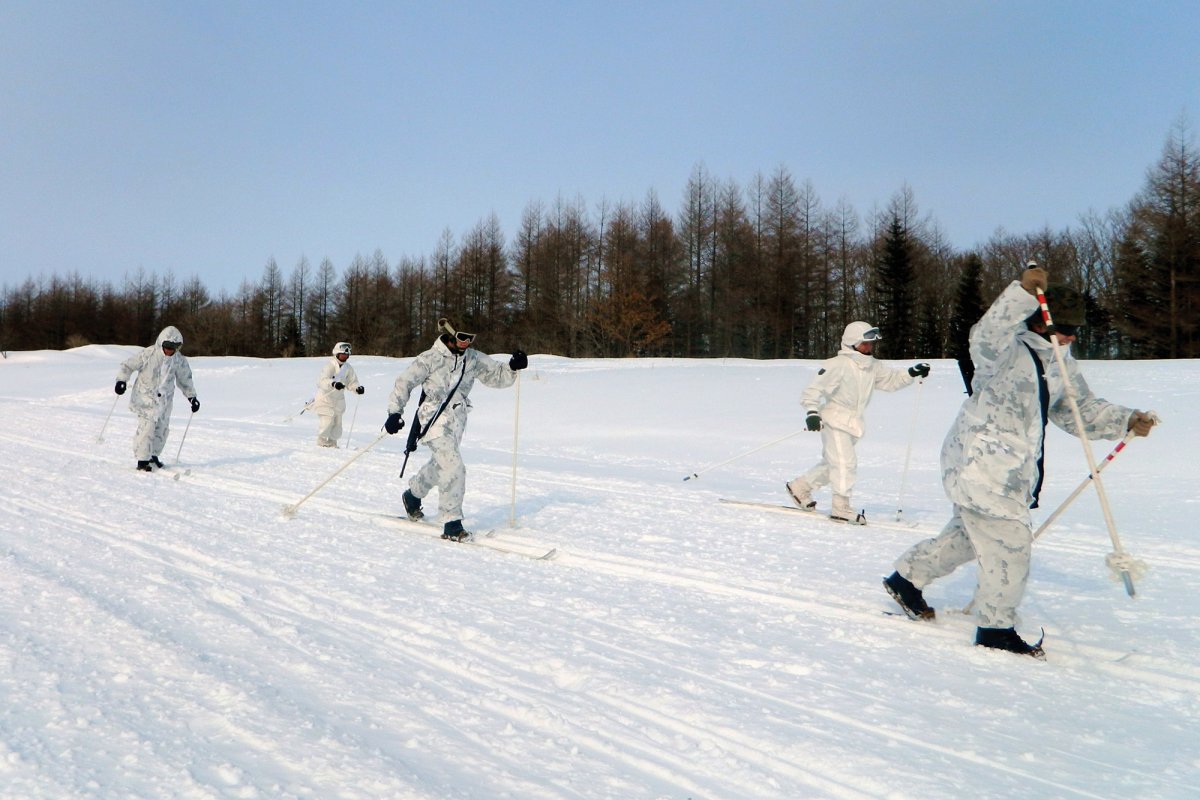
164 638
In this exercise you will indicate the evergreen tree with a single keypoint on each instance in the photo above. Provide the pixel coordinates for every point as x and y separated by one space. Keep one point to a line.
968 308
894 293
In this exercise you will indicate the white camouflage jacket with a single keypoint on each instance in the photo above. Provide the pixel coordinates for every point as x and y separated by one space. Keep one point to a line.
843 388
329 400
990 455
153 391
437 371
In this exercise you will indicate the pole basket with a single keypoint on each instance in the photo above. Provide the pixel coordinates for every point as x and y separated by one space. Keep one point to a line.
1126 569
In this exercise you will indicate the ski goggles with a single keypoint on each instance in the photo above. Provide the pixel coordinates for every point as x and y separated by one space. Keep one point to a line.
1067 330
871 335
171 345
463 337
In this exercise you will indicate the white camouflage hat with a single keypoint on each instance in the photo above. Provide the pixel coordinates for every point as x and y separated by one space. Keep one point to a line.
858 332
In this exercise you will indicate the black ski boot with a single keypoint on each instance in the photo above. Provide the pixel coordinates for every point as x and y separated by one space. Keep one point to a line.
453 531
1007 639
412 505
144 466
907 596
154 460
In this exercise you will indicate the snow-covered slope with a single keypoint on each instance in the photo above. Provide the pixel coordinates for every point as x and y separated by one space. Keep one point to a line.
164 638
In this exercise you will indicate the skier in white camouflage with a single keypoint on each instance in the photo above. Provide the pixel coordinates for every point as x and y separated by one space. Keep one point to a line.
836 400
330 403
160 367
445 372
992 458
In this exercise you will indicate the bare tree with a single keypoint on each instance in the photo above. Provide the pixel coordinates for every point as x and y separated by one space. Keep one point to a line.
1158 262
320 305
295 308
698 245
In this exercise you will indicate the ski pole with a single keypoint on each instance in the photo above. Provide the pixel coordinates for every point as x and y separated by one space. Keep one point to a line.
183 438
290 510
352 418
698 473
1071 498
307 406
512 514
100 437
1130 436
908 451
1079 489
1118 559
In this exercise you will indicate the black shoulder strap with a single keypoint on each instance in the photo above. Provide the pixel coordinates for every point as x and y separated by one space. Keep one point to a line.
416 432
1044 405
967 367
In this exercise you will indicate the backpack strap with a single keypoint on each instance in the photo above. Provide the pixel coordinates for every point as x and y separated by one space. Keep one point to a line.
1044 406
415 431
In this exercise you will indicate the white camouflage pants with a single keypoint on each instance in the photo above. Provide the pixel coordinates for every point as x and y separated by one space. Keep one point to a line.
839 462
151 435
445 471
1001 548
330 429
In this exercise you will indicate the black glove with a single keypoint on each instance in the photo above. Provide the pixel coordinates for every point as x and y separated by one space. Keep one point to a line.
393 424
339 385
813 421
195 405
360 390
120 387
518 361
919 370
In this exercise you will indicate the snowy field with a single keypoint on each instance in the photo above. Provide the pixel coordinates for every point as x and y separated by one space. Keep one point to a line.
176 636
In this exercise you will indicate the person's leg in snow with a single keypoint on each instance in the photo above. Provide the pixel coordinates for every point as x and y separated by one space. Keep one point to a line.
1001 548
446 472
330 430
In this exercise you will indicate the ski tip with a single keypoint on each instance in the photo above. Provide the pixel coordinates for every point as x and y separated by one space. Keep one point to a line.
549 556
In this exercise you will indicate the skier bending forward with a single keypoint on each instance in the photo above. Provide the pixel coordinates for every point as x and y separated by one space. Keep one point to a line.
445 372
159 367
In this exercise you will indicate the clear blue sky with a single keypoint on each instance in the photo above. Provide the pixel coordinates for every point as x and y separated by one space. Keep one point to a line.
203 138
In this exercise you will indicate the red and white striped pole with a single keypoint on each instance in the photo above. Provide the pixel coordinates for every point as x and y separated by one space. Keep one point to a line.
1079 489
1118 560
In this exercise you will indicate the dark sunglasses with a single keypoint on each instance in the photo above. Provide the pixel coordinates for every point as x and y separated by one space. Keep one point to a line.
465 338
1067 330
170 345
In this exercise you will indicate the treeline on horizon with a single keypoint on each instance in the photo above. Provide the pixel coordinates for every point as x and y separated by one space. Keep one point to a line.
760 271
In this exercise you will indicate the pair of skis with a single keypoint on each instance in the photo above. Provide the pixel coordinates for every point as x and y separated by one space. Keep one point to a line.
784 509
487 539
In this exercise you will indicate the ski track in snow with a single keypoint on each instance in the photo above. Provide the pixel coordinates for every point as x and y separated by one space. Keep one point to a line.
182 638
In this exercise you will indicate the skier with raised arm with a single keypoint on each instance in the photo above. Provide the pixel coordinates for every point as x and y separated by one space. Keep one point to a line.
992 458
